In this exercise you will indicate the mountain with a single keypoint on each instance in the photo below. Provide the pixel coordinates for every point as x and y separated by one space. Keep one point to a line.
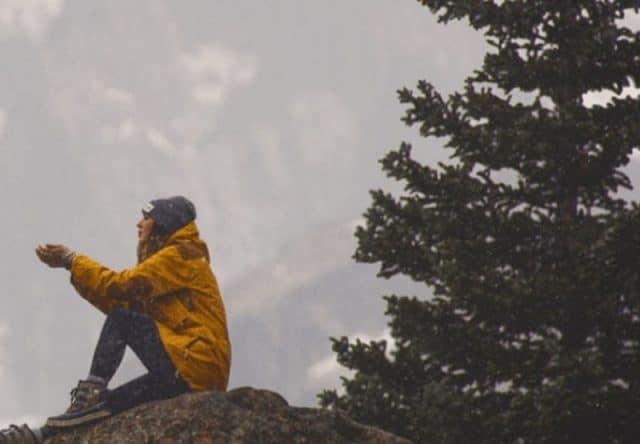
282 314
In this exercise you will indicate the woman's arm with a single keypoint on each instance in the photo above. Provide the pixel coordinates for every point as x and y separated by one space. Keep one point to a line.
132 288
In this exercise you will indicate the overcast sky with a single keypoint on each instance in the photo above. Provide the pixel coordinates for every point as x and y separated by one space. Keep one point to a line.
270 115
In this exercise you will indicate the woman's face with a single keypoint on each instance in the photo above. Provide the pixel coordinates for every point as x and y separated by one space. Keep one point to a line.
145 226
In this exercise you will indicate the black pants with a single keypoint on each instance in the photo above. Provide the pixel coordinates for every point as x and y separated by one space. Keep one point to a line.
124 328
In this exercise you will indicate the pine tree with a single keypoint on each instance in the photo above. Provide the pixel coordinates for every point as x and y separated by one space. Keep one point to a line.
532 334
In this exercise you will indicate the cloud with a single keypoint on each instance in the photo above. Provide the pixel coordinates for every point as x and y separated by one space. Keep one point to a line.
184 155
303 260
631 21
325 368
7 388
113 95
121 132
603 97
159 141
193 126
3 334
209 94
28 17
214 70
325 127
324 135
3 121
421 34
328 369
126 130
272 156
84 100
356 223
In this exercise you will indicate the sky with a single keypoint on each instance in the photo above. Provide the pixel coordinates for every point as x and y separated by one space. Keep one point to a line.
270 116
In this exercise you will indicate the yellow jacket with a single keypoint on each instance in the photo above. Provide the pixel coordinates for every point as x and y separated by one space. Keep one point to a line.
177 289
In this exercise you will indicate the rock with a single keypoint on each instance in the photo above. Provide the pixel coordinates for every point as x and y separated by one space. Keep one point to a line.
242 415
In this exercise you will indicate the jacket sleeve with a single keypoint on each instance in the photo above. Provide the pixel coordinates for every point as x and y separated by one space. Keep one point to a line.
133 288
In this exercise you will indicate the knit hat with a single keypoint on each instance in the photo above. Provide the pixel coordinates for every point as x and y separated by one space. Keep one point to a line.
170 214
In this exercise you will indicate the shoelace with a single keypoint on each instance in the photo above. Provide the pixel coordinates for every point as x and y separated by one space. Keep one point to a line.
78 398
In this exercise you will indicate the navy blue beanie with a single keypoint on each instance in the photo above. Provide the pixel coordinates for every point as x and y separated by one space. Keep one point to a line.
170 214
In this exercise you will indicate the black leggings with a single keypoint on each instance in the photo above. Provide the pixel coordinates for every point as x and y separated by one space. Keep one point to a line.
124 328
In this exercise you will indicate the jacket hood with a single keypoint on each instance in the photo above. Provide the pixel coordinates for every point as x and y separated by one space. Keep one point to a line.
188 232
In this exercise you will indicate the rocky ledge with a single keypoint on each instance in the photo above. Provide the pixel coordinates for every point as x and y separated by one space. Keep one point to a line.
242 415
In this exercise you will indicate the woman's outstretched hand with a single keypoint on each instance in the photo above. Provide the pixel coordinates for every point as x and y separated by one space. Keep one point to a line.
55 255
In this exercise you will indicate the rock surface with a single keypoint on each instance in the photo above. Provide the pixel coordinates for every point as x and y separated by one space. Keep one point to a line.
242 415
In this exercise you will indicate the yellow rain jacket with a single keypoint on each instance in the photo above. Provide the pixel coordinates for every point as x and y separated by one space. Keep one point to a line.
177 289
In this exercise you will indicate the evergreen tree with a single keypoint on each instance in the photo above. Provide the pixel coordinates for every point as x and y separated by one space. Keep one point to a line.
532 334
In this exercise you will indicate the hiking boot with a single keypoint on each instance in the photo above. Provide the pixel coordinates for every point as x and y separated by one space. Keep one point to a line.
87 405
18 435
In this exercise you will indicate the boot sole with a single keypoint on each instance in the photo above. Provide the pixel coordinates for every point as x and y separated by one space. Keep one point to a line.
72 422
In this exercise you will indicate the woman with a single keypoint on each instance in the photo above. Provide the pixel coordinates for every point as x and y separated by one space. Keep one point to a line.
167 309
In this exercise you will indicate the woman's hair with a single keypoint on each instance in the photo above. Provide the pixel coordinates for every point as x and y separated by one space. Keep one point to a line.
151 246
